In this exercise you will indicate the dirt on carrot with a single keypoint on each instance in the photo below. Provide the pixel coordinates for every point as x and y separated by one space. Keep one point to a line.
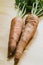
28 33
15 32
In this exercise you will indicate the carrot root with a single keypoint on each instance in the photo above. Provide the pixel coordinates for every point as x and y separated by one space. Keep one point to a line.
15 31
28 33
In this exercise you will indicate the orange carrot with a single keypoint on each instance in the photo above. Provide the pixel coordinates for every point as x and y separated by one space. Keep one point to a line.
29 31
15 31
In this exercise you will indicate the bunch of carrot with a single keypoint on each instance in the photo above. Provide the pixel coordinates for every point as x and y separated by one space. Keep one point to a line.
21 32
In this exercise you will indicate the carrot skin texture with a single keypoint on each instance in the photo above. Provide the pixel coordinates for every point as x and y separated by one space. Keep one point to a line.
15 31
28 33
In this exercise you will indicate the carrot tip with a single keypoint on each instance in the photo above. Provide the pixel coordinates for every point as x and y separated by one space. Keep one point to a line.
16 60
11 54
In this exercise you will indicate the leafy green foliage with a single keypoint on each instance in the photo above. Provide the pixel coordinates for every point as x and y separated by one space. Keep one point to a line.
27 3
27 6
37 8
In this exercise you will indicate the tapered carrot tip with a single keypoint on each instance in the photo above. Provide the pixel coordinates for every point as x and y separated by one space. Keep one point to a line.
11 51
9 55
16 61
17 57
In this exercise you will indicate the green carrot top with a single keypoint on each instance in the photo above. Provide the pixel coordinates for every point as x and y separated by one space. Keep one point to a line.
30 6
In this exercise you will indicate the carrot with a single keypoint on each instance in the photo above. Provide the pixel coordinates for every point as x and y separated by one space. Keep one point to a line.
15 31
29 31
